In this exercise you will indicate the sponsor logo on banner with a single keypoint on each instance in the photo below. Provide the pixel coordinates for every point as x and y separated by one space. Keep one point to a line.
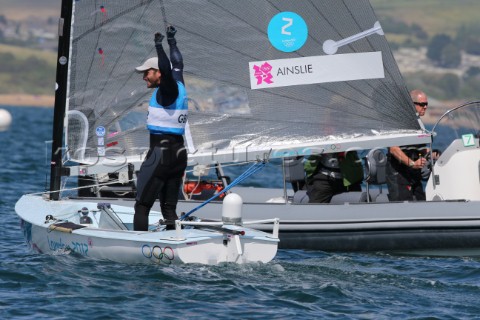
316 69
263 73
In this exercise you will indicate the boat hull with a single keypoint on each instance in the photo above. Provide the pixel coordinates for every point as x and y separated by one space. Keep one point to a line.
201 246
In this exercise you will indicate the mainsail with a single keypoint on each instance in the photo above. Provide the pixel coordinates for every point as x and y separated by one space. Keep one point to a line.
261 76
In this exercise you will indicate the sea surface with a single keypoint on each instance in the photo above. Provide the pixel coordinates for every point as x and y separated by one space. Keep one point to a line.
297 284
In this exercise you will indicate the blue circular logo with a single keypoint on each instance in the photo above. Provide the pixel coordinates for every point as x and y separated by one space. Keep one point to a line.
287 31
100 131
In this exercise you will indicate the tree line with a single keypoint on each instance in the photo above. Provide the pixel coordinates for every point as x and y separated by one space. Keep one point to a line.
30 75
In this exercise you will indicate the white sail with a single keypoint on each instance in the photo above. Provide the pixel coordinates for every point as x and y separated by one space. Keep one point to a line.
264 78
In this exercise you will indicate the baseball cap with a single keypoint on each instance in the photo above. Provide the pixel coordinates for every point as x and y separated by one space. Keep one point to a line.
151 63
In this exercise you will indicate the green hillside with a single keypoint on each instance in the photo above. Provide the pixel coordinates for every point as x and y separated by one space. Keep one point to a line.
22 9
24 70
434 16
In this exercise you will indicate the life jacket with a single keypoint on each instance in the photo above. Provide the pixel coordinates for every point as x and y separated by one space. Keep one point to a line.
346 166
195 187
170 119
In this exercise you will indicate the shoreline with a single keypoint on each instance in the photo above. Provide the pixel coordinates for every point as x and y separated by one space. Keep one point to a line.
27 100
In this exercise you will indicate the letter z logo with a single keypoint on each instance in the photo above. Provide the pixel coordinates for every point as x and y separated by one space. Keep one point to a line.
289 22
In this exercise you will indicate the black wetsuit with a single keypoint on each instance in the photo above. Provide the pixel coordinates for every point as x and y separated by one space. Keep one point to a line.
161 173
405 183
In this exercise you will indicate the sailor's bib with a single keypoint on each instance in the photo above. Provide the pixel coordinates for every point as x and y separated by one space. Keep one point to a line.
171 119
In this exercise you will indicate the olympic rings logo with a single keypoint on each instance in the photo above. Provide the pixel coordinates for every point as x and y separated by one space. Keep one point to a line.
164 255
335 146
182 118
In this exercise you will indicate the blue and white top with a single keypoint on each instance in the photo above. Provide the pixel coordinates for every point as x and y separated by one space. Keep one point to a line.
170 119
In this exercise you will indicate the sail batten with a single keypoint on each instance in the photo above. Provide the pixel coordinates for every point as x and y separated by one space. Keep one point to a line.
227 45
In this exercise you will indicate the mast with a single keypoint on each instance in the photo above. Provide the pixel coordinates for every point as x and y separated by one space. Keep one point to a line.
60 97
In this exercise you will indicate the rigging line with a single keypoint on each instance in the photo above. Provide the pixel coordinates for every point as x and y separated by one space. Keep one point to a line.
250 171
100 185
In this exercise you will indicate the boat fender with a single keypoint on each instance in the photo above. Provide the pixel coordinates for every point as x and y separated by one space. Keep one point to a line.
5 119
232 209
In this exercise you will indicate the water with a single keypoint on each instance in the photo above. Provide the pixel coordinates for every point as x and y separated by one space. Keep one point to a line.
296 285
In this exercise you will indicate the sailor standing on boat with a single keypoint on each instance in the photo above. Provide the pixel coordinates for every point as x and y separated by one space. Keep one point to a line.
405 163
162 171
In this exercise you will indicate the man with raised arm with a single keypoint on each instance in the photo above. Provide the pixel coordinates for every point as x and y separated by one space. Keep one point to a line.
161 173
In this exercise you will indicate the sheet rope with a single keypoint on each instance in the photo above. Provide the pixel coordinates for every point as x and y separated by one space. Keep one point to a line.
250 171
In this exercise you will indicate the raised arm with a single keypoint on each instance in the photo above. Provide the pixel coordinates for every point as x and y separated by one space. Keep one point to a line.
168 90
175 55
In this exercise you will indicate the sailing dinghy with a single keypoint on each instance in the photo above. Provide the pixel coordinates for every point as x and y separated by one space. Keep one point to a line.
273 79
104 231
99 229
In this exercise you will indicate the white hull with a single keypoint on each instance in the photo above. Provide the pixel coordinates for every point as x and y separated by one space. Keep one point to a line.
100 240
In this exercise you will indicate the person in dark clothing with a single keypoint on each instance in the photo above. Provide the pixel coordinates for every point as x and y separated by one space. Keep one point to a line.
161 173
331 174
405 163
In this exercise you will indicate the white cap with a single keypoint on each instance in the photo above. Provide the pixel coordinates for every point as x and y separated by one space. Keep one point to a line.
151 63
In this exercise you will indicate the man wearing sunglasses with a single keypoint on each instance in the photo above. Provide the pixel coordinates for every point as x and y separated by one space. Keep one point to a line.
405 163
